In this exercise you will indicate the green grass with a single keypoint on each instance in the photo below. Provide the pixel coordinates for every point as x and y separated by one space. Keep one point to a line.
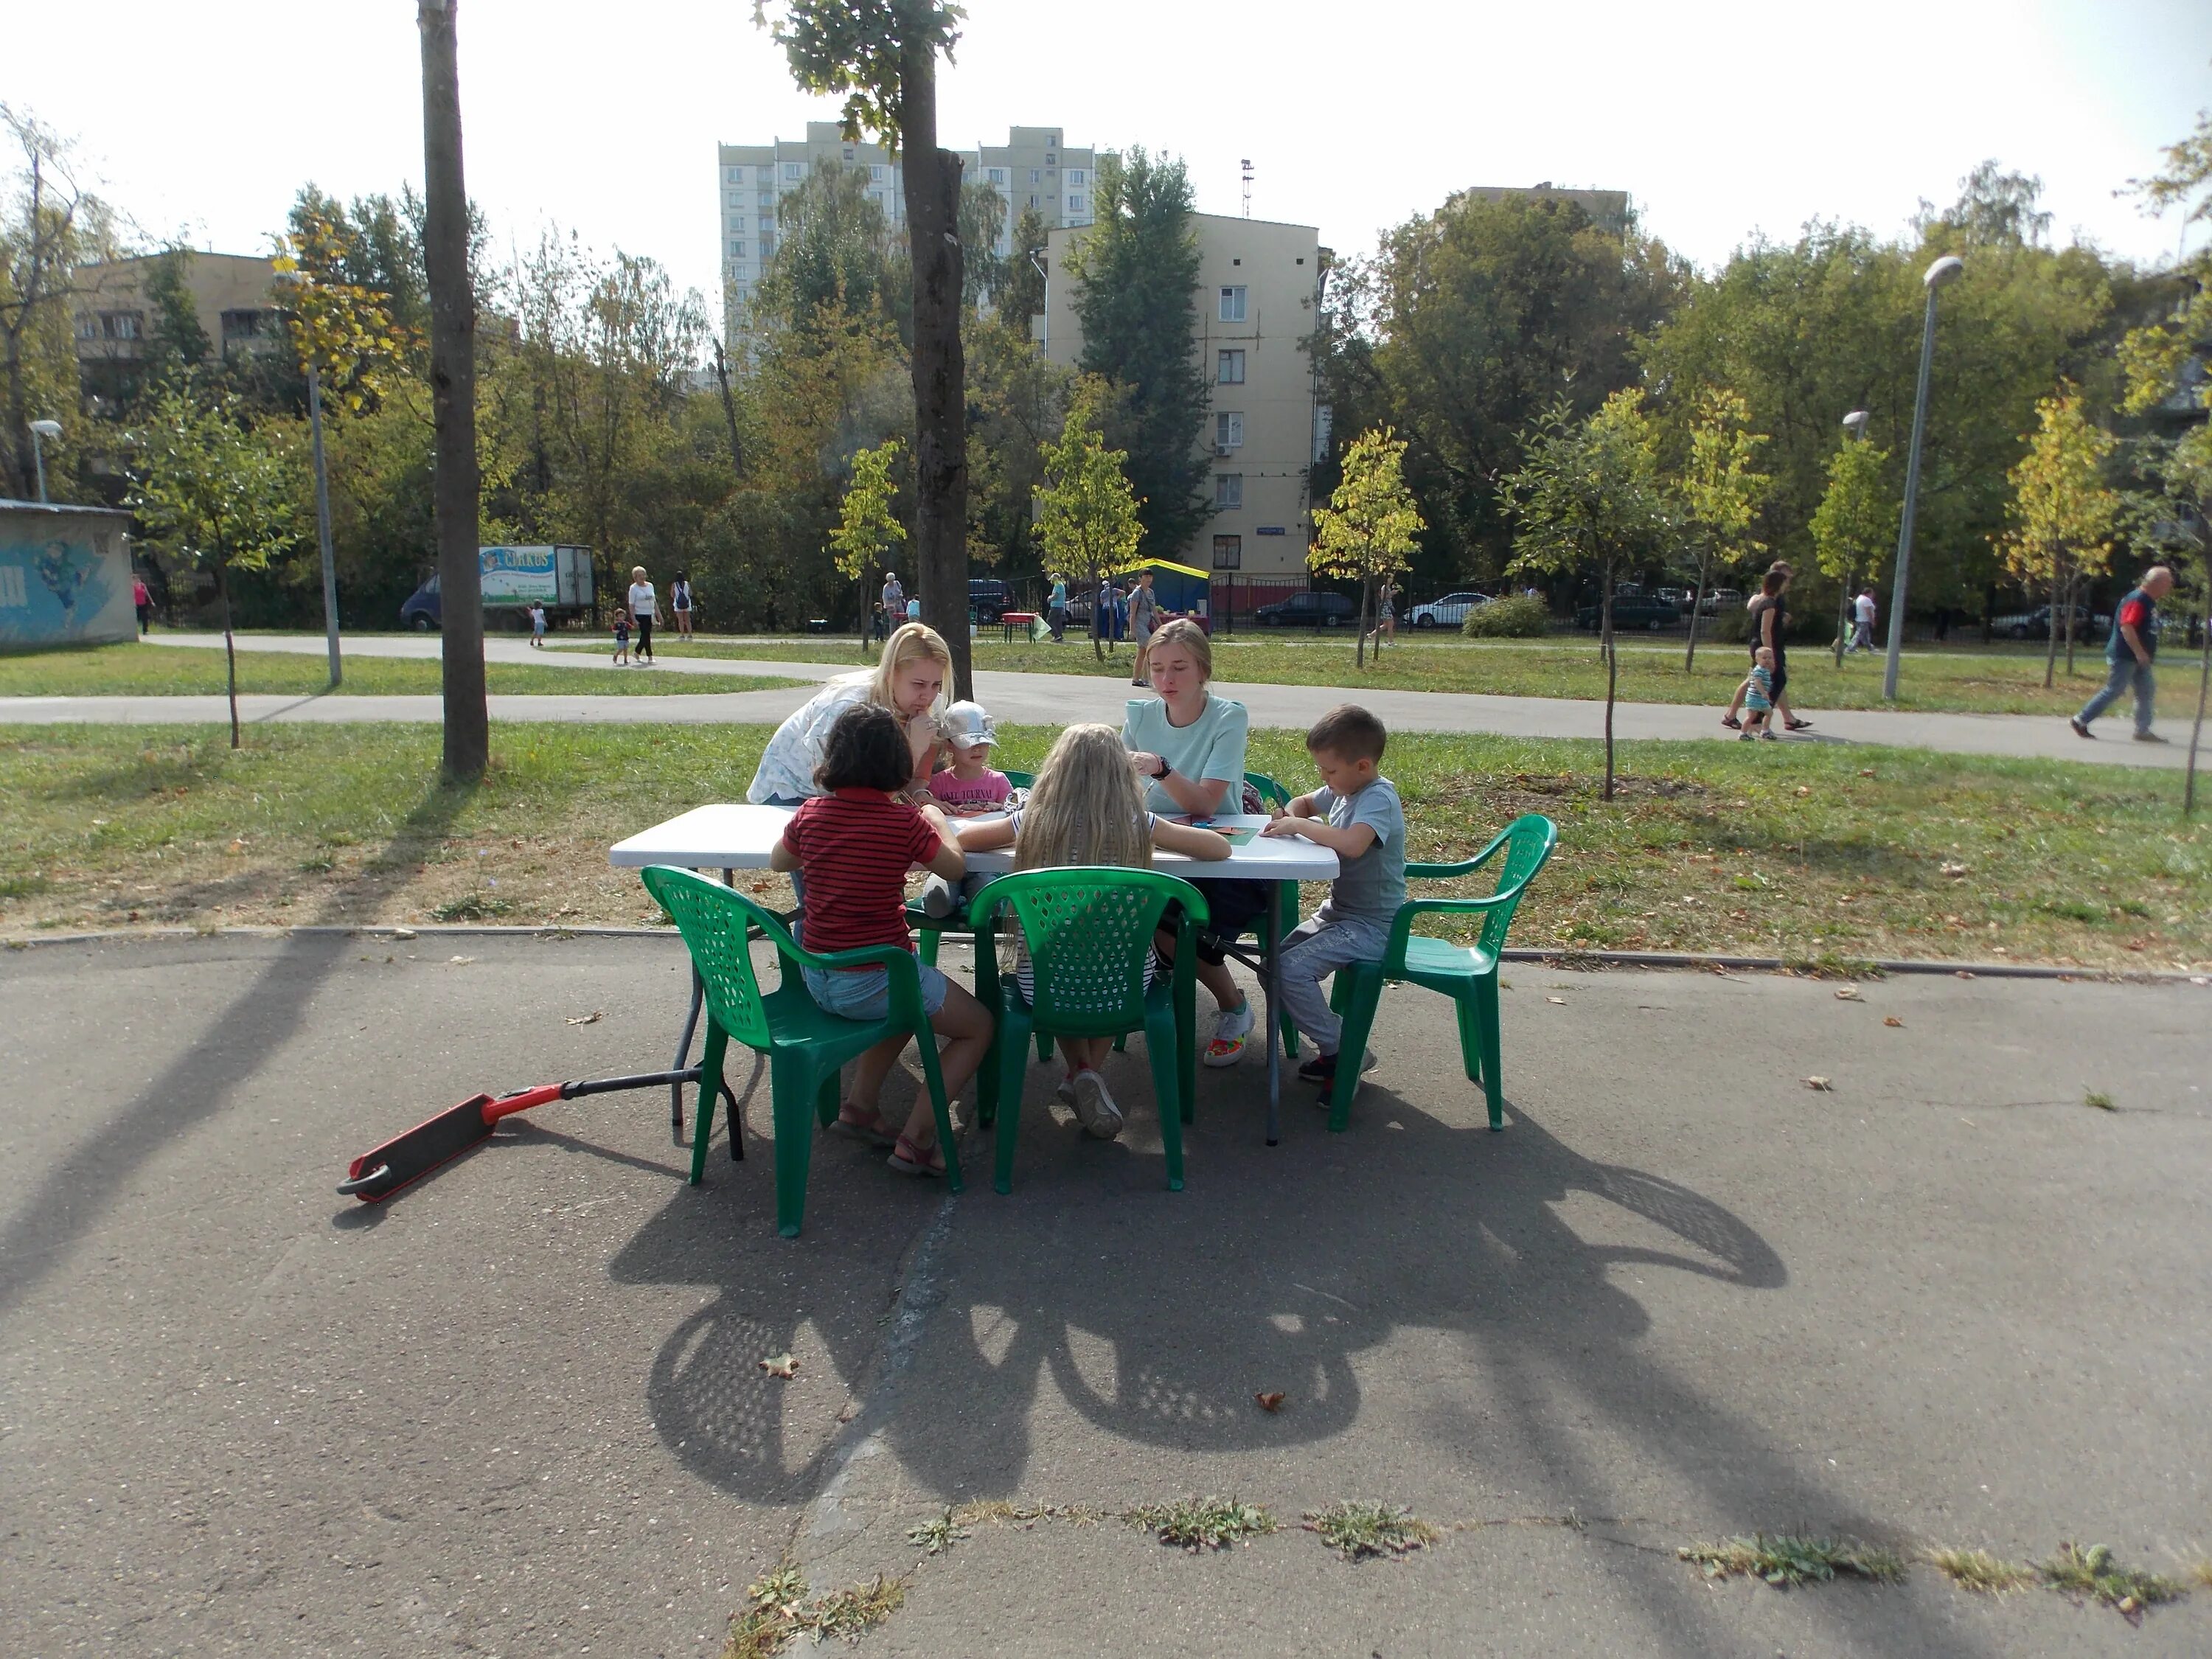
1971 679
1709 847
1356 1528
113 670
1982 1572
1784 1560
1202 1523
2092 1575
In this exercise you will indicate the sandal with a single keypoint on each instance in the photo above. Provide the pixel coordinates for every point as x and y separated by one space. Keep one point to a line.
909 1159
1732 722
876 1130
1800 726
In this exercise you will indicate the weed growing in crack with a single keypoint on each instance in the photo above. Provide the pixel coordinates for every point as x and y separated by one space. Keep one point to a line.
937 1535
1202 1523
1980 1571
1783 1560
2099 1100
779 1609
2091 1575
1356 1529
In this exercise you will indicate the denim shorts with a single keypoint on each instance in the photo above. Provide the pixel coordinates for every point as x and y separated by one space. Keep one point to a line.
865 994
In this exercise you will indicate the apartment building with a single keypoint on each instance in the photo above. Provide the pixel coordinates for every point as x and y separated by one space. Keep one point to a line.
1258 285
114 315
1031 169
1607 209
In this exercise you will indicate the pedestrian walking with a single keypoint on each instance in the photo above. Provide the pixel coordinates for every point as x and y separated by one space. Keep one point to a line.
1770 618
622 636
1862 610
1385 613
2128 655
894 597
1056 609
538 623
1144 616
679 604
143 600
644 611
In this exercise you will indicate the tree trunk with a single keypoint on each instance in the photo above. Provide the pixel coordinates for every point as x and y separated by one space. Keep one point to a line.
229 649
730 415
2050 655
323 524
1612 676
452 393
2203 685
1359 651
1697 604
2073 581
1845 625
941 394
1099 620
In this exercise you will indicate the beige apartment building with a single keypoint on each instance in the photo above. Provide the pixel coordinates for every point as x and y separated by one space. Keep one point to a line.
114 316
1031 169
1259 283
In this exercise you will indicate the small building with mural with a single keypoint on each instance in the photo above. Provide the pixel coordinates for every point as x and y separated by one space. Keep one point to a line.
64 576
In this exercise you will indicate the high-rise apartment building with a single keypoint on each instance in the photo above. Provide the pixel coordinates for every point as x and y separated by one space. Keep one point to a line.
1258 283
1031 169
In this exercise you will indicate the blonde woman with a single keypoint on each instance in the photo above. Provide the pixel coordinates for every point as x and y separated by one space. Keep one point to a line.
644 610
1086 808
910 680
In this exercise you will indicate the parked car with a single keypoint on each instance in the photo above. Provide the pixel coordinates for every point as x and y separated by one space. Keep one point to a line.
1680 597
2036 624
988 599
1449 611
1308 611
1629 614
1719 599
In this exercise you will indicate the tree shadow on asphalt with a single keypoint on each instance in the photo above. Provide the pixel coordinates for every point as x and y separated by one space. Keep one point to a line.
200 1081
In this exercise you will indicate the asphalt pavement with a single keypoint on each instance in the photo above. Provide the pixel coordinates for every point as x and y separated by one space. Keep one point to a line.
519 1409
1058 699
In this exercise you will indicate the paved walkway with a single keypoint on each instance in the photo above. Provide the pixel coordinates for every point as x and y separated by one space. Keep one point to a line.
1057 699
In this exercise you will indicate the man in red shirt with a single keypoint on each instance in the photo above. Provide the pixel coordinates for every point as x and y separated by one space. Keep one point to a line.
2130 652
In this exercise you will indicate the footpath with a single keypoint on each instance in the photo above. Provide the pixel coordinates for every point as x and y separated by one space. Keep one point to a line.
1058 699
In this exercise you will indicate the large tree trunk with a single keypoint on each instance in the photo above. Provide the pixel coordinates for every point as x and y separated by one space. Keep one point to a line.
1612 676
452 393
229 648
1697 604
941 392
730 412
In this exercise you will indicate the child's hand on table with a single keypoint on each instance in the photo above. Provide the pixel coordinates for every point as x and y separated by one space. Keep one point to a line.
1281 826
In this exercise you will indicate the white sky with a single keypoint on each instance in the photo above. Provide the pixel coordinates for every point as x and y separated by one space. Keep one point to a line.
1719 118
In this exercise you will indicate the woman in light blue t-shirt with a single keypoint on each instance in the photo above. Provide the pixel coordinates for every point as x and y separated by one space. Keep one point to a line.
1188 746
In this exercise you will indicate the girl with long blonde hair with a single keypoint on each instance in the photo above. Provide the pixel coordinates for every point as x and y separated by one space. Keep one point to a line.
1087 807
909 679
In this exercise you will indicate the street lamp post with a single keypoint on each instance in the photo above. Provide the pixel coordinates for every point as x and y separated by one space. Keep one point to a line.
1945 270
1855 424
41 430
1045 271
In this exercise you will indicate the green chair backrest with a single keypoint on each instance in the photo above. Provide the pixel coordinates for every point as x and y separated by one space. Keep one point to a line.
1529 841
1020 780
1272 792
1089 929
714 922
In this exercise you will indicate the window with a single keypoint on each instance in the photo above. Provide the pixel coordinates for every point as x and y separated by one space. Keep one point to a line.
88 327
736 175
767 224
996 175
768 198
1229 367
1033 201
1232 305
1075 176
737 199
1228 552
793 171
1050 159
1037 176
1228 491
1079 204
241 325
768 245
1228 430
122 324
877 175
737 250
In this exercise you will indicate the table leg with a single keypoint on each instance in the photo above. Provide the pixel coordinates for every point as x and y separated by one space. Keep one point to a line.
683 1043
1270 979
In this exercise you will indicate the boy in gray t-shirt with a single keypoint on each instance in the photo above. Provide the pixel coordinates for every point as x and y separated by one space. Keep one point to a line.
1357 815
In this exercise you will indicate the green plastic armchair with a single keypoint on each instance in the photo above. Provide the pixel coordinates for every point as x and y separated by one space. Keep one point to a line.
1466 974
806 1046
1089 931
929 929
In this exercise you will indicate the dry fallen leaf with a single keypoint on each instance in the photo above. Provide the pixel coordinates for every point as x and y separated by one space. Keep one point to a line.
1849 994
761 886
782 1365
1562 1001
1804 789
403 932
460 961
1891 1019
1820 1083
1269 1402
592 1019
1866 771
1955 870
1961 973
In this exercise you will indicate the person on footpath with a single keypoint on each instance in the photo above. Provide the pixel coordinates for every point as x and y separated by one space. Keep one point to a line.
893 598
143 601
1144 616
1862 611
1056 609
538 623
2129 652
679 602
1770 616
644 611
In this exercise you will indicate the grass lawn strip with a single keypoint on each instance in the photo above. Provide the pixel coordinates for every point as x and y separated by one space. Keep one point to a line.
115 671
1804 855
1978 680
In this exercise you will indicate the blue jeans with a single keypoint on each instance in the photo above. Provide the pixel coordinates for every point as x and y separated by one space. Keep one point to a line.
866 993
2125 672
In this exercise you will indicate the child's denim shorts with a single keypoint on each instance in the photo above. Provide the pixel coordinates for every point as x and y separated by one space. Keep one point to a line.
866 995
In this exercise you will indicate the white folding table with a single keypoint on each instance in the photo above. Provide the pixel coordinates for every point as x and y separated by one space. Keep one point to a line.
741 837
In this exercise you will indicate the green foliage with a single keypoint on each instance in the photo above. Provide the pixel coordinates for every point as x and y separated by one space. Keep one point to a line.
2064 515
1371 523
1023 297
1356 1529
1587 498
1090 522
209 489
861 48
1202 1523
1720 489
1136 273
1784 1560
983 272
1855 525
1516 616
836 252
779 1609
175 342
339 329
867 528
1016 401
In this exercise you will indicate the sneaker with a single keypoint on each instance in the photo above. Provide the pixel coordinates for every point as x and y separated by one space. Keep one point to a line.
1745 737
2080 727
1094 1107
2148 737
1322 1068
1768 737
1232 1032
938 900
1064 1091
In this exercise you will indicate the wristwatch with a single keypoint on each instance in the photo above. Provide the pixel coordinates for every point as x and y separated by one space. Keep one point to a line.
1164 769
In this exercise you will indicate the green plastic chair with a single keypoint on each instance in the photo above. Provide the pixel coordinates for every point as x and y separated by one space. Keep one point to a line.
804 1045
1088 930
1466 974
929 929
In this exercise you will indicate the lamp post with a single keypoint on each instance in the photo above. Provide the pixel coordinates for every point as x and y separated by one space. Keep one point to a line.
1945 270
1855 425
42 430
1044 271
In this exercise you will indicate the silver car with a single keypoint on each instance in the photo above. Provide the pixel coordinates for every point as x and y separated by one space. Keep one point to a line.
1449 611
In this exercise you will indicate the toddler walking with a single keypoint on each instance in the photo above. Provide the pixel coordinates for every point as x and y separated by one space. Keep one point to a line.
1357 815
621 635
1759 698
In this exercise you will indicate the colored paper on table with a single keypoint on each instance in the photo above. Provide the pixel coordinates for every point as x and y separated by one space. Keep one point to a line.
1228 832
